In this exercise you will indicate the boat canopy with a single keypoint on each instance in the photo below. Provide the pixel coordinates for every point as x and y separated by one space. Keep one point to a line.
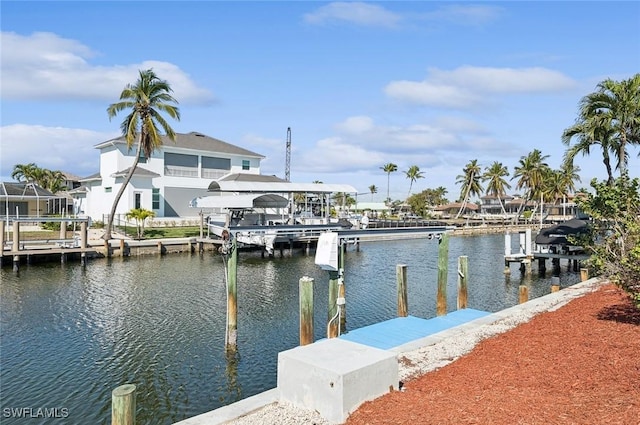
245 201
557 235
278 187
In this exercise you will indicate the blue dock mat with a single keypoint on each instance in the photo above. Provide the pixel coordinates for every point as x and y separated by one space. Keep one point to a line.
401 330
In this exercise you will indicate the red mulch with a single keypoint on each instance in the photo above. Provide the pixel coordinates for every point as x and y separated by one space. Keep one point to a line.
579 365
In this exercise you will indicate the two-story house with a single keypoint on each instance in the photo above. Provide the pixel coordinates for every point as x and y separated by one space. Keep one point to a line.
164 183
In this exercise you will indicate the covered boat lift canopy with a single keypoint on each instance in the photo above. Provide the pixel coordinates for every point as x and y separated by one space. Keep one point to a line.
255 183
557 235
247 201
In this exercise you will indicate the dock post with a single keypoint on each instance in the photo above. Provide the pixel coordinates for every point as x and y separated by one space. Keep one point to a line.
401 279
231 337
63 230
555 284
123 405
1 242
306 310
463 272
523 294
332 324
342 290
507 253
584 274
83 243
443 263
542 265
16 236
16 263
159 247
122 247
107 248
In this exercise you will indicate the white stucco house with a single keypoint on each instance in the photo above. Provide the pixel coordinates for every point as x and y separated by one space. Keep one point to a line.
164 183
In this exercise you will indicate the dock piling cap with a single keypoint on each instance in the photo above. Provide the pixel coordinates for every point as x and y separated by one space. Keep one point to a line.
124 390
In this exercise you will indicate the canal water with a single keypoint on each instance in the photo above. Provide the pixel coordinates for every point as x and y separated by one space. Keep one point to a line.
70 335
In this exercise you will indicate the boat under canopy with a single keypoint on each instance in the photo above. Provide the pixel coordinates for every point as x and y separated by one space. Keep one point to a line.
557 235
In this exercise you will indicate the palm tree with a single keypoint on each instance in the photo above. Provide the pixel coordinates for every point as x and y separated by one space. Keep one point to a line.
609 117
413 174
531 172
24 172
140 215
373 189
145 100
590 131
470 181
497 185
389 168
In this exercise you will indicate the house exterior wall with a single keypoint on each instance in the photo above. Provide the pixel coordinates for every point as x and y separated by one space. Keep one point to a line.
174 185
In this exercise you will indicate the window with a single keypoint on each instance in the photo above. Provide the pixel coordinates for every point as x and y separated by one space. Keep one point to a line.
213 168
246 164
180 165
137 200
107 189
155 199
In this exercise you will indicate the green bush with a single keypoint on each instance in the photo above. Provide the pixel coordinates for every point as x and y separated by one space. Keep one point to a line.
614 238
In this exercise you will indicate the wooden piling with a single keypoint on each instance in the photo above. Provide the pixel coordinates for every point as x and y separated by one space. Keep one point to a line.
63 230
232 297
342 289
332 323
16 236
555 284
523 294
443 263
123 405
463 272
107 249
584 274
122 247
306 310
401 279
16 263
1 242
159 247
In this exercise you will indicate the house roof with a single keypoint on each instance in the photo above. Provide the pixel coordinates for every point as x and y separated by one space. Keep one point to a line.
194 141
95 176
457 205
139 172
24 190
257 183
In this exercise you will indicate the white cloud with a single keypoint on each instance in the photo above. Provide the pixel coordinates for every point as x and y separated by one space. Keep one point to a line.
354 12
56 148
470 86
465 14
47 66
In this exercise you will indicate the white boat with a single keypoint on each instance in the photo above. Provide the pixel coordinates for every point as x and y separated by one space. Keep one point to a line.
256 212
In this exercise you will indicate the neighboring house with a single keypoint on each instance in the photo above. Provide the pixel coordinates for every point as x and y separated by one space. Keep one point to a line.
26 199
491 204
166 182
451 210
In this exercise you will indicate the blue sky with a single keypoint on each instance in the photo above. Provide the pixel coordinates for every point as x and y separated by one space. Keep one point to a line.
432 84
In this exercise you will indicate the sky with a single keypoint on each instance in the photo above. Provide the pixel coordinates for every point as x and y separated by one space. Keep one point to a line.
360 84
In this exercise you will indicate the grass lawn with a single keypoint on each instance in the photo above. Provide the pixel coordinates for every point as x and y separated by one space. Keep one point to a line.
164 232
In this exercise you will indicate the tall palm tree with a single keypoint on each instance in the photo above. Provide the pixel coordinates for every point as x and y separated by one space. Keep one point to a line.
145 100
470 181
530 172
24 172
496 185
413 174
373 189
389 168
590 131
610 117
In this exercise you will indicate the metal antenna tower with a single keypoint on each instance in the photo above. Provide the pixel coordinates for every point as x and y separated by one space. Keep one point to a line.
287 167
